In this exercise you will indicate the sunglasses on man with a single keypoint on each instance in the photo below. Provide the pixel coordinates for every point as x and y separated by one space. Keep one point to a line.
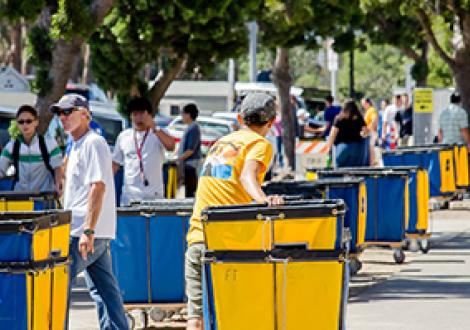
66 112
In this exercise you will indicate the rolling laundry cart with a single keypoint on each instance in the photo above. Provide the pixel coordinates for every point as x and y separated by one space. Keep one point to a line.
461 166
266 263
27 201
386 220
170 179
438 160
148 256
351 190
418 186
34 251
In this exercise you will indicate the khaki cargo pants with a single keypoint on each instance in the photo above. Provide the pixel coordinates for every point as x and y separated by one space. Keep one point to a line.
193 275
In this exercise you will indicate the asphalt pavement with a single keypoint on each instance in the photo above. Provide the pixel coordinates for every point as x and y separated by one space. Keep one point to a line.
429 292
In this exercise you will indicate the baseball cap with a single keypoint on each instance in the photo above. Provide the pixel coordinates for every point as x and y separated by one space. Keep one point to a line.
258 108
70 101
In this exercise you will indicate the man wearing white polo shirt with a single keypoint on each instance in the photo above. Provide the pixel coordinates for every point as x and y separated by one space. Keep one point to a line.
89 194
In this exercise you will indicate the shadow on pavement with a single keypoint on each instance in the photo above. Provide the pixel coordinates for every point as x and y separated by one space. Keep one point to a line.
411 284
424 288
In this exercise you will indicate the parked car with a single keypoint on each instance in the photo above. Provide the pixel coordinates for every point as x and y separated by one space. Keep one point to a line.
91 92
109 119
212 129
104 114
6 116
162 121
232 116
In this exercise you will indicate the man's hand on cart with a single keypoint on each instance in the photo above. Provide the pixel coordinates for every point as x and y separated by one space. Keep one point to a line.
274 200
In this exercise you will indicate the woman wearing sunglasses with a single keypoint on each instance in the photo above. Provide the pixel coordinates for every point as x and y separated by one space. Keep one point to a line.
37 160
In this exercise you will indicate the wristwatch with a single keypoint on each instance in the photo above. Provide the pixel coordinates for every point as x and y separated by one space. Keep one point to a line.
89 232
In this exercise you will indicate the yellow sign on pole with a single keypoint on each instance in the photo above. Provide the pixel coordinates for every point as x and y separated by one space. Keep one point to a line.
422 100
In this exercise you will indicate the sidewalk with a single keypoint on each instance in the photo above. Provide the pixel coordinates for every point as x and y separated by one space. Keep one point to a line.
384 295
431 292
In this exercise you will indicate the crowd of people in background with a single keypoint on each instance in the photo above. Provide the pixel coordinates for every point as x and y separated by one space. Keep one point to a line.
355 134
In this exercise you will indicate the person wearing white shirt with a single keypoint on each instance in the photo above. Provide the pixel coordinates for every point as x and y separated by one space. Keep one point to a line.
389 125
89 194
141 151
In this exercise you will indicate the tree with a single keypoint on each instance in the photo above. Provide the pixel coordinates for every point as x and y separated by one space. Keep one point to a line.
285 24
455 16
60 28
378 71
384 23
178 34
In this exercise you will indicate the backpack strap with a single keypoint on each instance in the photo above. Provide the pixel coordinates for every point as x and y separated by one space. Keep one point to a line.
45 154
16 161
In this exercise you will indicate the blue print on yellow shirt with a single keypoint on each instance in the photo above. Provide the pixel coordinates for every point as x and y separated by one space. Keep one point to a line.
220 160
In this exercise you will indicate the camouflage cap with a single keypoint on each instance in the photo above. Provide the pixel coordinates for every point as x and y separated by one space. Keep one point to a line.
258 108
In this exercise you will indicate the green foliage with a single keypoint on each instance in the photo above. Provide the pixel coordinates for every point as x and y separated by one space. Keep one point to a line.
420 70
440 75
13 130
13 10
71 19
288 23
40 46
138 32
377 72
385 23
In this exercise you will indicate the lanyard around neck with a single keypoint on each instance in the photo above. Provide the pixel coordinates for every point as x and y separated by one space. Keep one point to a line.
138 149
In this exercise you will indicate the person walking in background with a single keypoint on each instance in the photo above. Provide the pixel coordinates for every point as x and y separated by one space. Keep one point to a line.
141 151
295 108
89 195
404 118
330 113
453 123
189 152
389 125
278 135
371 119
232 174
347 135
302 120
37 159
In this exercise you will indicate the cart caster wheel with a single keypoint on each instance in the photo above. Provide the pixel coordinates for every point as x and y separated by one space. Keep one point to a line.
157 314
399 256
144 318
413 245
406 246
354 266
130 321
424 245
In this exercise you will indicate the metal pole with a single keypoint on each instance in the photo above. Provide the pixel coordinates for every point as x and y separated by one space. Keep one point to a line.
231 82
351 74
253 34
333 84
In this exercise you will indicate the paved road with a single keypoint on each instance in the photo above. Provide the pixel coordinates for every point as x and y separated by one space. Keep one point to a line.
429 292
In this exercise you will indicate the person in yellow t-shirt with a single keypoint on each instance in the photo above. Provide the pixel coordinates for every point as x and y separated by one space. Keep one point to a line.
371 118
232 174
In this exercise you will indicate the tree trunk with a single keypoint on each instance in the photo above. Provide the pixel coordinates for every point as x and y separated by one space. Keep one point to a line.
16 48
283 80
164 79
461 73
425 59
86 72
64 57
